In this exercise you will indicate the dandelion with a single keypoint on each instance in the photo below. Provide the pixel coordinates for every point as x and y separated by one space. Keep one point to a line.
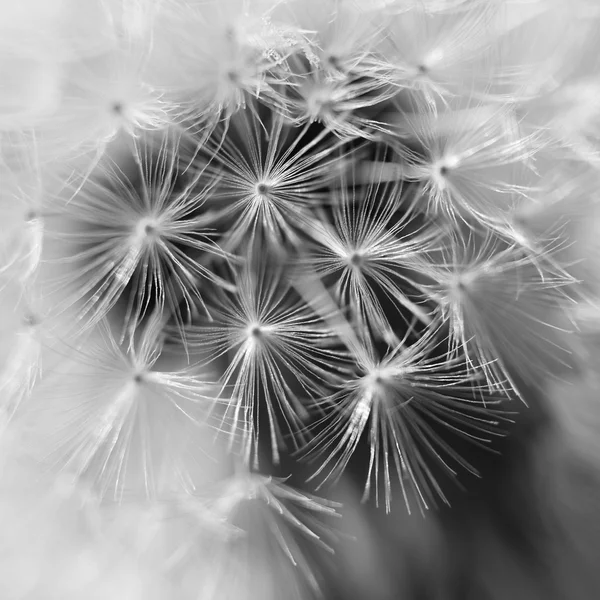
250 248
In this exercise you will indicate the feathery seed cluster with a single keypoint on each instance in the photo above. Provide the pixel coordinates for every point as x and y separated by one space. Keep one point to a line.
241 238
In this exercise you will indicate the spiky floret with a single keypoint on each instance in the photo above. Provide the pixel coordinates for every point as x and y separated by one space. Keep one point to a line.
82 98
364 248
346 105
564 218
495 51
434 52
106 96
274 518
472 161
339 81
222 54
280 353
567 113
343 38
22 338
270 176
139 235
21 214
239 537
405 403
109 417
505 309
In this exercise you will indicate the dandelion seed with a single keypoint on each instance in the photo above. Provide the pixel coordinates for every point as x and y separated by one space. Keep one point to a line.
344 104
222 54
23 338
367 250
343 37
270 177
503 309
485 52
105 97
279 351
433 52
474 165
22 233
142 231
114 422
402 403
265 505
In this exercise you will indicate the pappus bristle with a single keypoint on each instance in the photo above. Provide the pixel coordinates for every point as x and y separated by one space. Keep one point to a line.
434 53
560 225
530 44
23 337
473 164
139 430
105 96
179 536
341 82
279 353
140 229
270 176
343 36
21 214
365 251
505 311
566 111
258 504
338 104
222 53
397 402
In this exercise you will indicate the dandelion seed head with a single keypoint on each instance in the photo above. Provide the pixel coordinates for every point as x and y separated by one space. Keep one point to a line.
239 234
